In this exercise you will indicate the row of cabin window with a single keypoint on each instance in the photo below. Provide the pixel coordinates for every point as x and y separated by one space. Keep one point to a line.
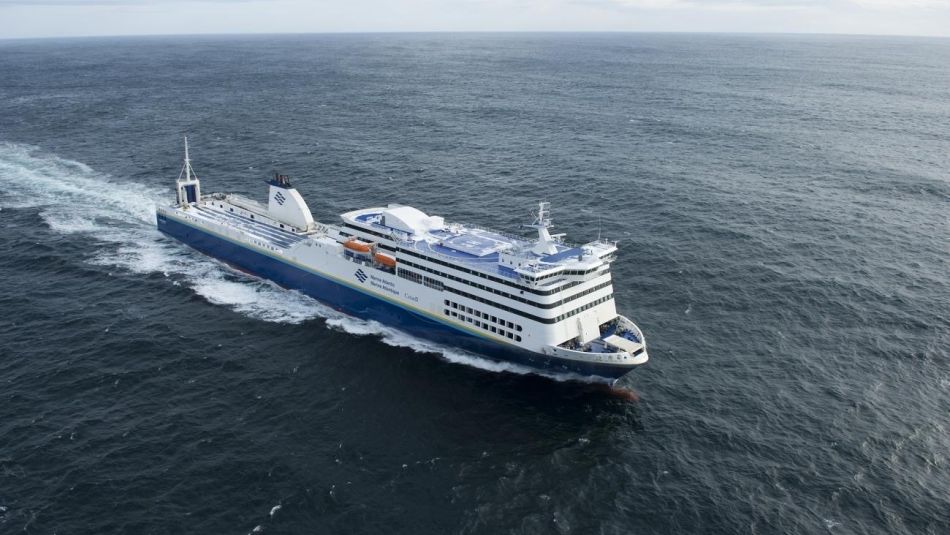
419 279
459 311
479 314
465 270
509 296
585 307
548 276
432 283
409 275
523 314
580 271
568 272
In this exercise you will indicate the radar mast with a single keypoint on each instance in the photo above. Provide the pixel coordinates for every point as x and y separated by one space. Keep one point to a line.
546 243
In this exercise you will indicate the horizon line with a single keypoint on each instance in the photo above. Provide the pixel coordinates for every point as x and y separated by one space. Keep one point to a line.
424 32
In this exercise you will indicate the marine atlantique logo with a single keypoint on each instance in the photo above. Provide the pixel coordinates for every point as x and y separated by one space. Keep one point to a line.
361 276
279 197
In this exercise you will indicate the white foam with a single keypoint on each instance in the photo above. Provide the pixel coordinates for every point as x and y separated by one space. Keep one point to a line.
75 199
398 338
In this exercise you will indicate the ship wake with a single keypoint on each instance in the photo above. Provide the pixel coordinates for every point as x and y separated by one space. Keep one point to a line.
119 216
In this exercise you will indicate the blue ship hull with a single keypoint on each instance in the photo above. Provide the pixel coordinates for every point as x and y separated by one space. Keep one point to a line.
363 305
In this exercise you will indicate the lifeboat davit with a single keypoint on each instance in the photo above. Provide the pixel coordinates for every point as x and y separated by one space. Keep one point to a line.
357 246
384 260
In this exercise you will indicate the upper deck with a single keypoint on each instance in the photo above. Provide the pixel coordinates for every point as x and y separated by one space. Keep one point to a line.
265 233
489 251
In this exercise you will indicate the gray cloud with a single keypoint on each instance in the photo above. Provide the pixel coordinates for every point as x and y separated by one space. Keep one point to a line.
51 18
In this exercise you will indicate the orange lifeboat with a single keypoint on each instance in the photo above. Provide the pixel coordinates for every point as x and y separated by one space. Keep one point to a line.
384 259
357 246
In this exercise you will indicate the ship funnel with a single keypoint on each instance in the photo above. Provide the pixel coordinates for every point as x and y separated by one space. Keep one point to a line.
286 205
188 186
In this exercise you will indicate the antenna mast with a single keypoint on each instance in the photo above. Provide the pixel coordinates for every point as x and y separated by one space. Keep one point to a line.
546 241
189 172
189 189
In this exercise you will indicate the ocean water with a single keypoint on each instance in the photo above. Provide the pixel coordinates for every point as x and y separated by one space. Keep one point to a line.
782 208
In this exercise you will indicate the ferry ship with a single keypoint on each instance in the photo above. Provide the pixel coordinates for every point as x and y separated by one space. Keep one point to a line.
535 301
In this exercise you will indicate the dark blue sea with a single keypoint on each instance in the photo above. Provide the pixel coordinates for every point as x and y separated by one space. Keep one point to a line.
783 210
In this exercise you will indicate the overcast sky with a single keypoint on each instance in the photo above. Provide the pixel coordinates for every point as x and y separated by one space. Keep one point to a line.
56 18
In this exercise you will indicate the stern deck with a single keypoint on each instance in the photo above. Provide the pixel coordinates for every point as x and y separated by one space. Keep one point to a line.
256 229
